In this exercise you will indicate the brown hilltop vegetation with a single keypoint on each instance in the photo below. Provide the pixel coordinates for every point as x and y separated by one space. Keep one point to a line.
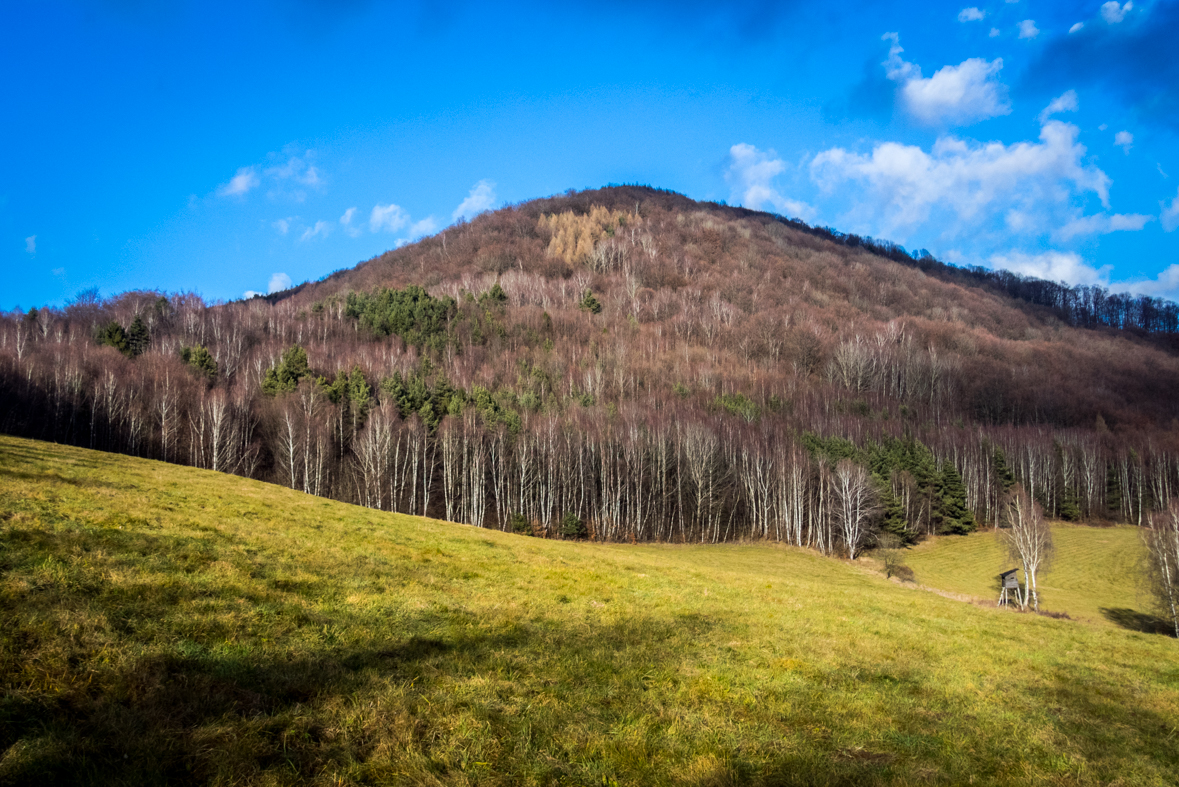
759 298
627 363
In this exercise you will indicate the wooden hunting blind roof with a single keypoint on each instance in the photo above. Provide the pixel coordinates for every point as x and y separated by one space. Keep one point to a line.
1008 578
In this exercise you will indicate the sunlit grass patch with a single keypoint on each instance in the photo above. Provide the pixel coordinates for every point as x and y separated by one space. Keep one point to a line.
1095 572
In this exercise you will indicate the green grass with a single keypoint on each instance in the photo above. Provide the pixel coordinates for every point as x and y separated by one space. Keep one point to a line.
167 625
1095 574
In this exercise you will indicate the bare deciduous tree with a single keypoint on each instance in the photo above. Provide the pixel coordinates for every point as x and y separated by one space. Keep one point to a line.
1028 540
1161 535
855 504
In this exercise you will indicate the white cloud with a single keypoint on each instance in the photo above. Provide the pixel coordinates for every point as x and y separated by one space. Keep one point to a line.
1124 139
1028 29
1065 102
346 223
245 179
1067 267
1102 224
994 32
283 225
970 15
321 229
296 169
958 94
1113 13
287 178
749 175
417 230
423 227
31 244
389 218
1165 285
1170 214
1076 28
480 198
1028 182
278 283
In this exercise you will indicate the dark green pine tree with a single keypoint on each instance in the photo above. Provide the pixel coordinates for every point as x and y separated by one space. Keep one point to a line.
1004 478
285 377
1113 492
359 399
201 360
495 296
892 513
138 337
590 303
113 335
956 518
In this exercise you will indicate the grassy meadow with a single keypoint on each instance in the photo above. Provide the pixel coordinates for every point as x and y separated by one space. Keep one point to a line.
160 624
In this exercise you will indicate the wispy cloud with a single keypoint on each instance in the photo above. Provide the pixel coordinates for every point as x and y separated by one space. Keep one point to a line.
750 176
1067 267
956 95
1103 224
1028 29
245 179
346 223
480 198
288 177
1131 62
321 229
283 226
1070 268
278 283
31 244
1124 140
387 218
971 14
1169 217
423 227
1113 13
1065 102
1165 285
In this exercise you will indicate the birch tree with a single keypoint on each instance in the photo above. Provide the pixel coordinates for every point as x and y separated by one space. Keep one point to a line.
1161 535
1028 540
855 504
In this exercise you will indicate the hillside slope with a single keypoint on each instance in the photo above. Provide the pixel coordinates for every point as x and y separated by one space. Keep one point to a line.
166 624
628 365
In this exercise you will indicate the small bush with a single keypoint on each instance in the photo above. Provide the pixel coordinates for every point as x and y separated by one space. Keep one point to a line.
520 524
572 526
903 573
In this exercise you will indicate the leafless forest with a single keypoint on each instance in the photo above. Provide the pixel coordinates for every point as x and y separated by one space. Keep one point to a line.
627 364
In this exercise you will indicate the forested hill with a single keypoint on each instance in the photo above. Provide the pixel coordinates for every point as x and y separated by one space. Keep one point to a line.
629 364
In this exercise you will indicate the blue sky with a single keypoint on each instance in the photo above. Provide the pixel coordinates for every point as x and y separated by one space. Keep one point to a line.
233 147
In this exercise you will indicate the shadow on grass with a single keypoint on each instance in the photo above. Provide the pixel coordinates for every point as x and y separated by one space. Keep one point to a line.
56 478
191 716
170 719
1134 620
